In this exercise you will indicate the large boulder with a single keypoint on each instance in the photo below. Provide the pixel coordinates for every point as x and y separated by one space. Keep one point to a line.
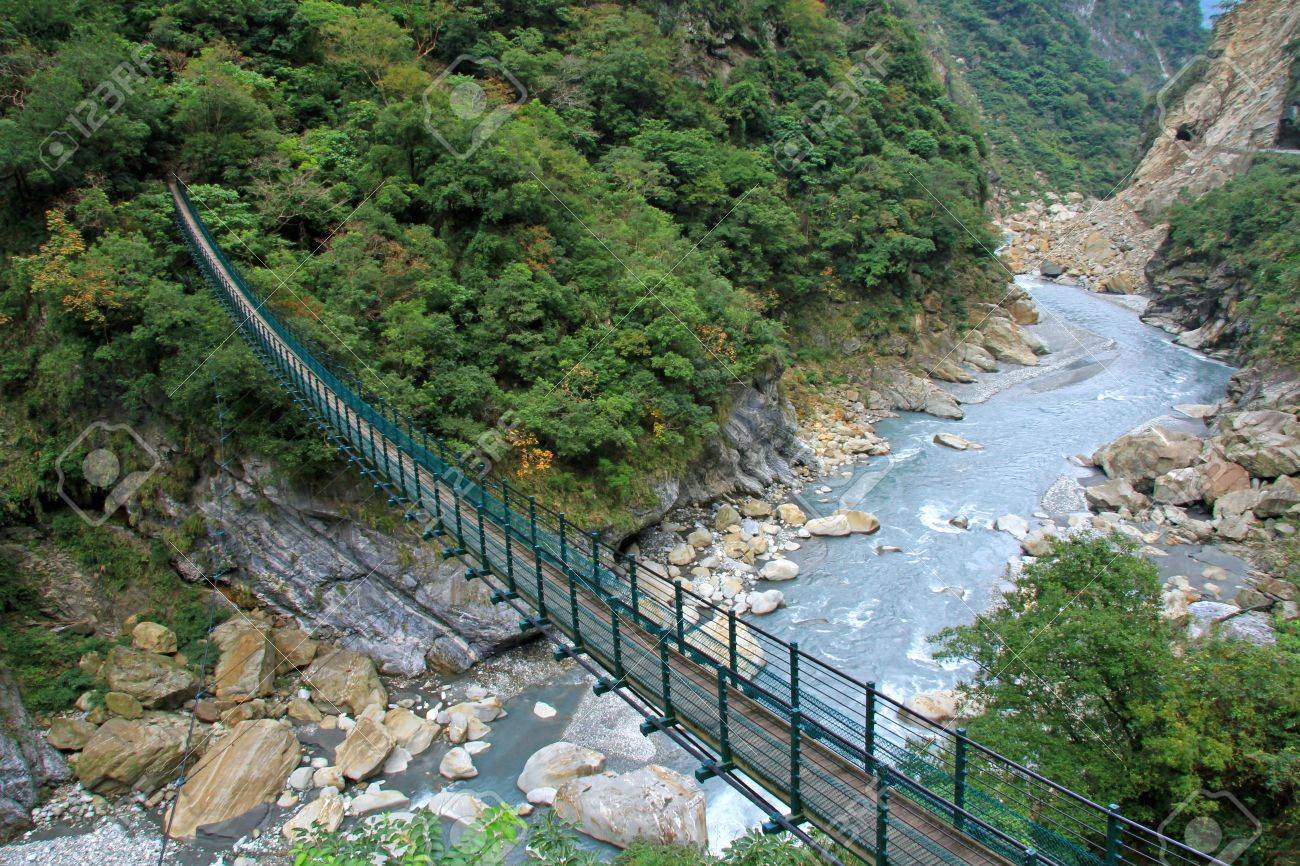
652 805
345 680
1223 477
553 765
154 638
248 767
1180 486
1266 442
69 733
1236 504
1278 498
294 648
362 752
457 764
1004 340
141 755
156 681
247 664
1112 495
1145 455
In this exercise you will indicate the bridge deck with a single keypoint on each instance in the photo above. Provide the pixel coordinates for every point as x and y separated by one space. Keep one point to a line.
810 746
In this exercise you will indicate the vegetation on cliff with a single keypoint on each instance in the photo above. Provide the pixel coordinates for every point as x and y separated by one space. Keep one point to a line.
604 266
1246 234
1062 88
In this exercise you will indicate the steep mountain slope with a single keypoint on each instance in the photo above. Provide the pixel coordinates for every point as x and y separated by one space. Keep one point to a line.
1061 85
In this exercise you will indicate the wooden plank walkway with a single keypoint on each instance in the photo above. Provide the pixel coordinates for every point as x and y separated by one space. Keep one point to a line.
837 795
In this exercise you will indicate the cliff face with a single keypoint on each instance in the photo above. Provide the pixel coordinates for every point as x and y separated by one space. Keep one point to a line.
1211 127
1214 118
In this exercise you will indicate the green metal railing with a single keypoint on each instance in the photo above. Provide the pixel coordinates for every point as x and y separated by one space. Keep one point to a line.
874 775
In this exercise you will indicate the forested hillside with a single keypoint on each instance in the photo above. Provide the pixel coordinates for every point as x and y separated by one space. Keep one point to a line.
1063 85
667 184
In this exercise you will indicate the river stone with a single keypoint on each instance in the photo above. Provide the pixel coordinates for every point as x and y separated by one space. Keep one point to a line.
459 806
1143 456
761 603
835 524
322 815
141 755
374 801
327 777
247 767
541 796
345 680
409 731
681 554
700 538
861 521
952 440
69 734
156 681
457 764
1112 495
304 711
779 569
294 649
726 517
154 638
246 667
367 744
123 705
1039 542
791 514
1013 524
551 766
940 706
755 508
1265 442
300 778
652 805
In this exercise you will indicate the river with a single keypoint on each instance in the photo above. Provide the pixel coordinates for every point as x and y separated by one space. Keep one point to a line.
872 614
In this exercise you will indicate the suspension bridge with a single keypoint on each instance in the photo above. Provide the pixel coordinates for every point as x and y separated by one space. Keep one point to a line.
811 745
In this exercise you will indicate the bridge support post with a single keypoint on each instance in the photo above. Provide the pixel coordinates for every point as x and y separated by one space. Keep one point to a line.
869 729
573 611
679 617
482 531
595 559
634 590
959 781
1112 835
564 543
532 521
731 647
882 821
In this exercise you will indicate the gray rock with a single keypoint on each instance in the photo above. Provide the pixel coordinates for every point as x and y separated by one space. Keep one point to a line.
27 762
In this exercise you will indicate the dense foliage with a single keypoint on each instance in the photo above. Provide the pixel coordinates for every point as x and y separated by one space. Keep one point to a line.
1082 678
1251 226
1062 102
604 267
